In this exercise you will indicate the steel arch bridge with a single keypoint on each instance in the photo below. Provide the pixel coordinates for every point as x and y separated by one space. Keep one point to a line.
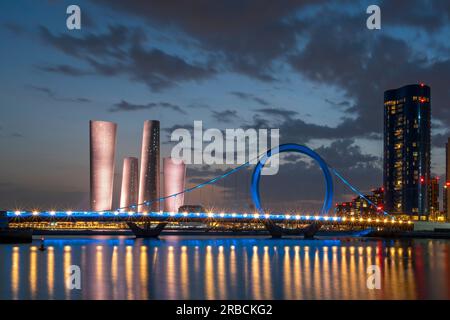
270 220
291 147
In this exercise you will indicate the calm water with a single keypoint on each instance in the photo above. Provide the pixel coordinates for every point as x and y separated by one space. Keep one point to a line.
225 268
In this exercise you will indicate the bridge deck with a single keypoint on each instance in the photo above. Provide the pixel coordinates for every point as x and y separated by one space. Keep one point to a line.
114 216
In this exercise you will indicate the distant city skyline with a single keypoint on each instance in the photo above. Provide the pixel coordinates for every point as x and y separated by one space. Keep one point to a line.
320 81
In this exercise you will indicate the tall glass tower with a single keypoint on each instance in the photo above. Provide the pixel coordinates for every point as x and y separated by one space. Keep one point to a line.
447 181
149 173
407 113
174 180
129 189
102 151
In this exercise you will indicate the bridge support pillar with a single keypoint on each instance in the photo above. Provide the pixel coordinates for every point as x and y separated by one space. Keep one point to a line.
275 231
311 230
278 232
146 231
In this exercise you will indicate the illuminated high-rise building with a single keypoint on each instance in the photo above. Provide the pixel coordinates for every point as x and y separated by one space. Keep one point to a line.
174 179
130 180
149 172
407 150
102 150
433 197
343 209
447 181
378 195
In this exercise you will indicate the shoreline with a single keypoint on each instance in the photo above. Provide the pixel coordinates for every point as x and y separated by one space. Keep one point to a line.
125 232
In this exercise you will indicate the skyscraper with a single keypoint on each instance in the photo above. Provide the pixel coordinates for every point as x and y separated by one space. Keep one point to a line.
407 150
174 178
447 181
129 190
433 198
149 173
102 150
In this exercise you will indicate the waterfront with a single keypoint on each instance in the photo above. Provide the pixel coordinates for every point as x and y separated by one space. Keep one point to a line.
183 267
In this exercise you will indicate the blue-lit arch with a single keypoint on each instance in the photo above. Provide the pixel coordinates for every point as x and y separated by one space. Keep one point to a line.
292 147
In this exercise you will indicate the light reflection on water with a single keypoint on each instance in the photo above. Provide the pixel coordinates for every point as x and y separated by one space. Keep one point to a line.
225 268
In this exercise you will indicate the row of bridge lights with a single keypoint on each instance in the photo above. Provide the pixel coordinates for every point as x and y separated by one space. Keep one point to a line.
247 215
377 220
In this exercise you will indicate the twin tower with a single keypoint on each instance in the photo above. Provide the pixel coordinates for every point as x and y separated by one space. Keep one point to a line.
138 185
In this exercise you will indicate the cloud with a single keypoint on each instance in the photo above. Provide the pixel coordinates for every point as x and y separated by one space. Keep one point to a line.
65 70
296 130
259 38
16 135
362 65
52 95
14 28
226 116
420 14
45 90
189 127
11 135
344 105
126 106
108 44
251 37
121 50
283 113
246 38
439 140
249 97
344 154
168 130
204 173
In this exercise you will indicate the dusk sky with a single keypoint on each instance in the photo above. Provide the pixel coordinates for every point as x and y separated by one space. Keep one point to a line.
310 68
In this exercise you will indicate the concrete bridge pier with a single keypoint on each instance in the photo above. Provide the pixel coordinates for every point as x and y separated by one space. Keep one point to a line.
277 232
147 231
311 230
